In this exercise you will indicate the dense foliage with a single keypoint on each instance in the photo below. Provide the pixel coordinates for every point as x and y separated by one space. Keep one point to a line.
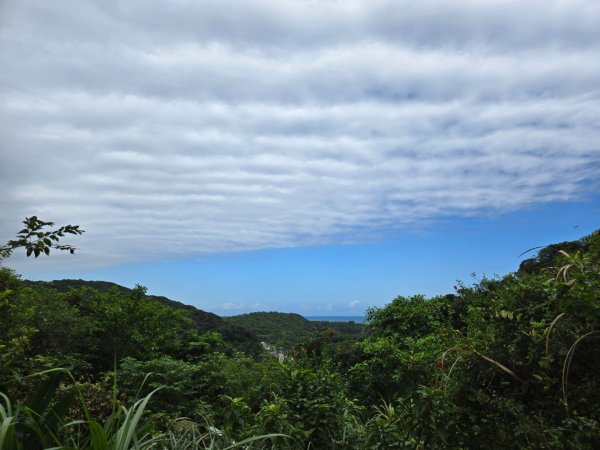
509 362
236 338
286 330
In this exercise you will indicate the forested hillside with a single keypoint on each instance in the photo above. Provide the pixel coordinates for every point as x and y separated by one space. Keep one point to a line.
507 362
238 338
287 329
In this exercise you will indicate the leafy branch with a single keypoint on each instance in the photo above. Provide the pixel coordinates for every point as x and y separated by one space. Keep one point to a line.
36 240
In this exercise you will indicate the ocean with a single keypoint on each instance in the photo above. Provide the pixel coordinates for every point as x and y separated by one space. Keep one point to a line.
357 319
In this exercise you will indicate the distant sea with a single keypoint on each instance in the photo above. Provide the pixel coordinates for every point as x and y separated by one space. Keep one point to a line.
357 319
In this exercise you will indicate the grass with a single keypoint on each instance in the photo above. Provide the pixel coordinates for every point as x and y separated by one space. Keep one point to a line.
39 424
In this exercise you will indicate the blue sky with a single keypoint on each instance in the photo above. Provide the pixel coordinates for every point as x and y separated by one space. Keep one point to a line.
298 155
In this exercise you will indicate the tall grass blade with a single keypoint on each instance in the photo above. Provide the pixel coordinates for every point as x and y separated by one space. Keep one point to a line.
98 436
499 365
7 424
127 432
567 365
256 438
556 319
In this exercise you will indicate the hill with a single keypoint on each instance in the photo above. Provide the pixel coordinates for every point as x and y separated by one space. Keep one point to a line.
239 338
547 255
288 329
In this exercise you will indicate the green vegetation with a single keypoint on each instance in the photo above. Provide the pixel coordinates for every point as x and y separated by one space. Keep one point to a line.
36 239
236 337
509 362
285 330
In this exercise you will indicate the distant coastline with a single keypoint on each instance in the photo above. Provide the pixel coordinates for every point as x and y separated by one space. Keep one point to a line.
357 319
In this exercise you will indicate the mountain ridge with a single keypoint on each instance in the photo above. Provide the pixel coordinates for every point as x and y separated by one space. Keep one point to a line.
238 337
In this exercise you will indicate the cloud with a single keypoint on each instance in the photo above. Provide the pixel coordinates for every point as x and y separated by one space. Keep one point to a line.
168 130
353 303
228 306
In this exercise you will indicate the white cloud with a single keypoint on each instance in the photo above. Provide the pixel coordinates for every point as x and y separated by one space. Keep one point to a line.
353 303
228 306
174 129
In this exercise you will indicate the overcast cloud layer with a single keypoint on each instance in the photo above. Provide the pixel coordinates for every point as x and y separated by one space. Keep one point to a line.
184 127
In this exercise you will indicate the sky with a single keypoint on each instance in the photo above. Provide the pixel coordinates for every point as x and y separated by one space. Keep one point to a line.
319 157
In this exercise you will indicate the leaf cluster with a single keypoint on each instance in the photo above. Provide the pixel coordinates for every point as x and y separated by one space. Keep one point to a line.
36 240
